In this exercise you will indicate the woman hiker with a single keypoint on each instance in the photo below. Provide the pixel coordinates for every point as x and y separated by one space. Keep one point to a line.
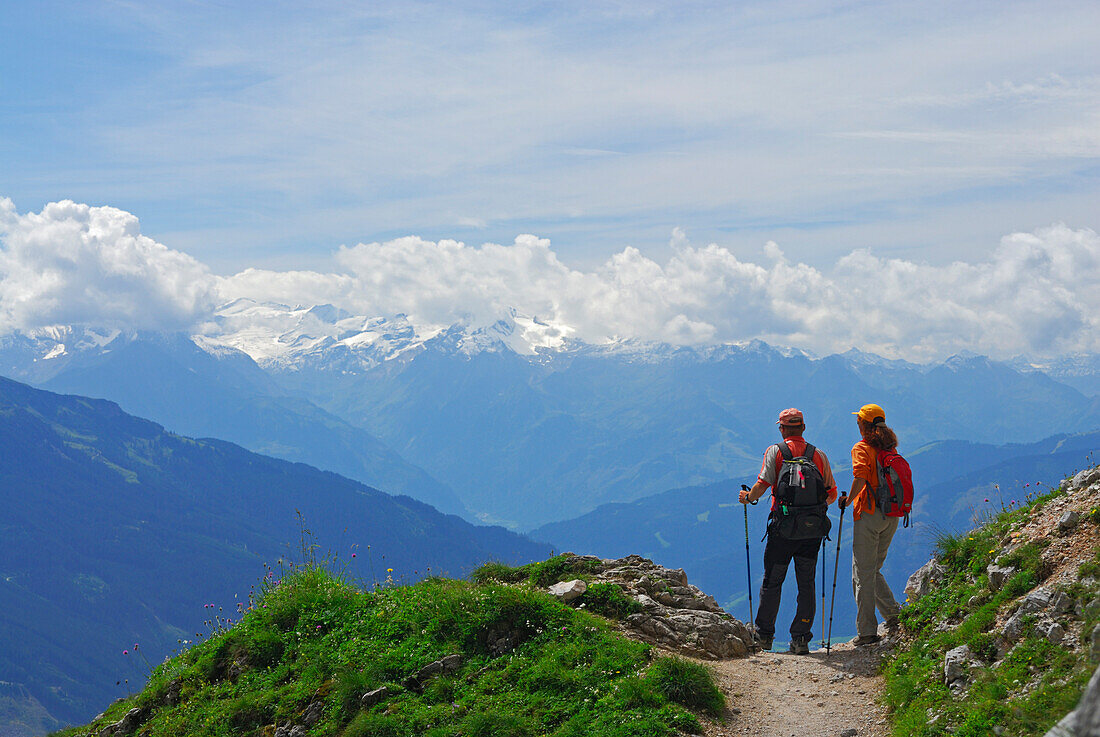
873 530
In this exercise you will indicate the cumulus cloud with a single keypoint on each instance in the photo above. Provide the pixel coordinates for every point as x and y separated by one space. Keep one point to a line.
1038 292
74 264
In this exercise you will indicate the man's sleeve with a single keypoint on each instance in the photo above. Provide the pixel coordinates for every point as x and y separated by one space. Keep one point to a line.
768 473
827 472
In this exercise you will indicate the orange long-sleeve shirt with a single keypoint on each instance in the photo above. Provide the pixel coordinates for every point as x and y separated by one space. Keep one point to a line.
865 467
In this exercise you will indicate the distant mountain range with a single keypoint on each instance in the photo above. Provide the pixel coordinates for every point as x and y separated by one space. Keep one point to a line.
117 532
516 421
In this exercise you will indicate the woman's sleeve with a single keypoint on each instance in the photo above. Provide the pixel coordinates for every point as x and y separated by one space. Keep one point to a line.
863 463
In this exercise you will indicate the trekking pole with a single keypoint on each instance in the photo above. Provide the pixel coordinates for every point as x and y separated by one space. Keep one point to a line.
823 590
836 565
748 562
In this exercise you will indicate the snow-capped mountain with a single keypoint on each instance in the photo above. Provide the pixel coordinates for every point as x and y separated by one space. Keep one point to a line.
326 338
526 423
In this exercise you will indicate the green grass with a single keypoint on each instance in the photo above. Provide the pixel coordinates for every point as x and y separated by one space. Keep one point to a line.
543 573
1030 689
603 598
314 638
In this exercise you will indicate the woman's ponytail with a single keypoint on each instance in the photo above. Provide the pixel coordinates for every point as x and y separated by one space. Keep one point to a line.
878 435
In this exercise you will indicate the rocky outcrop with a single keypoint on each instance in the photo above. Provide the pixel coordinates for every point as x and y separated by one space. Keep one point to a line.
1083 721
675 614
127 725
924 580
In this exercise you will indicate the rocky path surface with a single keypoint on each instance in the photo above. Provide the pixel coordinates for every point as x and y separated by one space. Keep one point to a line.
777 694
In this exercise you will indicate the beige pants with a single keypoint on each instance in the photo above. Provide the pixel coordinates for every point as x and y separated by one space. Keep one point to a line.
870 542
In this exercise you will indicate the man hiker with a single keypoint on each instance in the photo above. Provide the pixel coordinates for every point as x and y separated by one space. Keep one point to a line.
872 528
802 489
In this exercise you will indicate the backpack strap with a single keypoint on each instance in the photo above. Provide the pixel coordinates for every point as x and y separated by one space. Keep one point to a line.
809 452
785 451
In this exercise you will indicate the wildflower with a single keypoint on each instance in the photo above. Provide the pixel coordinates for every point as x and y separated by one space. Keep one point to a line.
389 570
125 652
353 555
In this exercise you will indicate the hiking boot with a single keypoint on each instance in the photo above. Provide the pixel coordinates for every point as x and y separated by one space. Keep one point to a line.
800 647
892 625
763 643
866 640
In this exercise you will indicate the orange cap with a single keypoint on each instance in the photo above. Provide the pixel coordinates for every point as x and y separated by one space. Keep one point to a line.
871 413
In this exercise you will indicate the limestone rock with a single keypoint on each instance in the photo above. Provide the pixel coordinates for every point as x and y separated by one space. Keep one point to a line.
1037 600
1084 720
295 731
1068 521
957 664
377 696
449 664
1062 603
1014 627
1052 631
675 615
924 580
127 725
568 591
1094 644
313 713
1085 478
998 575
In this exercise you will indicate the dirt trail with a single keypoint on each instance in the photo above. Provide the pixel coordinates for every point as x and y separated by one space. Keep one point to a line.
777 694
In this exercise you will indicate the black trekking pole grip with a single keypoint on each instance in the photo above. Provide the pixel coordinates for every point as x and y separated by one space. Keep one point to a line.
748 568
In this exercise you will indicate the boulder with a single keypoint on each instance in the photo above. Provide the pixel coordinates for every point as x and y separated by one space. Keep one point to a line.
957 664
1085 478
377 696
924 580
127 725
313 713
1036 600
1068 521
568 591
1014 627
998 575
1062 603
1094 644
1084 720
1053 632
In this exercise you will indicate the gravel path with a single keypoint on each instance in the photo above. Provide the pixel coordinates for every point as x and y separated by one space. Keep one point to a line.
782 695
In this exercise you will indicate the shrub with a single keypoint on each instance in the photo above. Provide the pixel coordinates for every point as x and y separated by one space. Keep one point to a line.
686 683
495 571
608 600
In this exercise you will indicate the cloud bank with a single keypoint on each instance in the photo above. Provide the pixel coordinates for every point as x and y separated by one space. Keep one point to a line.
76 264
1037 293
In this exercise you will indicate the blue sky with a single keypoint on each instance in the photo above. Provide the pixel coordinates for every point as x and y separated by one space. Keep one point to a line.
268 134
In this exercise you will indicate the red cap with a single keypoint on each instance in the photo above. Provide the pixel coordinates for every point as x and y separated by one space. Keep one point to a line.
790 417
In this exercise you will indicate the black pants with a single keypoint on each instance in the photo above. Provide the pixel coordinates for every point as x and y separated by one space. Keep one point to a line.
777 558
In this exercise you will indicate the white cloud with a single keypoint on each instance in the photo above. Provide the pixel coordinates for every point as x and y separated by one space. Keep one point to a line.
76 264
1039 292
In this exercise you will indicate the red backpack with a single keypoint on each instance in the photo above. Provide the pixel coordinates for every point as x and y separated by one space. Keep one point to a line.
894 494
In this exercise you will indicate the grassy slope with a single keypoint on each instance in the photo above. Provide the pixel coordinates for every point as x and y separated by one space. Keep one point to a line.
316 638
1035 684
